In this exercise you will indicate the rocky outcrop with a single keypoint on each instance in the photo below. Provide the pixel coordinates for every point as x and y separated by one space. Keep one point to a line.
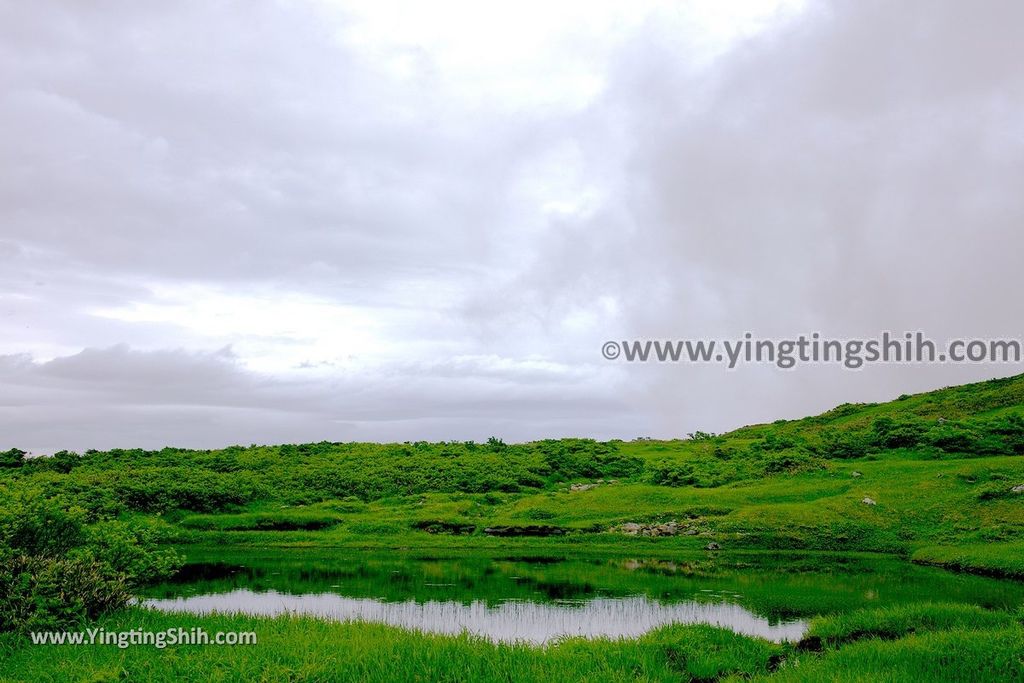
670 528
635 529
592 485
869 501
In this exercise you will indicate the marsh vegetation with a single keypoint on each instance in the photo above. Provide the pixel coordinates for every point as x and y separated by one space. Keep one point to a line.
825 525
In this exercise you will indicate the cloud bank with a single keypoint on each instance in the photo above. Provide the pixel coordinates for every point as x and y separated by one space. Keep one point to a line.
266 222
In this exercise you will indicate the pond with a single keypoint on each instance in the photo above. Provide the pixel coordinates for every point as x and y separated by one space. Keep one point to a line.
540 599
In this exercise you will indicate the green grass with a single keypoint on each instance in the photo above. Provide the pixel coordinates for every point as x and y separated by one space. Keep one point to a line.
897 621
302 649
953 656
950 644
996 559
941 468
921 504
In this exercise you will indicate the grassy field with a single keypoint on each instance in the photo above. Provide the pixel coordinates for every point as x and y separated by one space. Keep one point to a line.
925 643
943 470
919 503
932 479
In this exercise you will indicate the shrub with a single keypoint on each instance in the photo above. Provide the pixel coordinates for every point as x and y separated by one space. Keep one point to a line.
843 445
791 461
49 593
700 472
56 572
132 550
890 433
14 457
773 441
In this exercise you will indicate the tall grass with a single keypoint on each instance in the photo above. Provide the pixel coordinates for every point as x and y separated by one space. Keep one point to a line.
302 649
950 644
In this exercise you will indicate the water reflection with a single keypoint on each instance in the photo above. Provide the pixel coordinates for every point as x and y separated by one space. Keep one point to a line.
537 599
534 622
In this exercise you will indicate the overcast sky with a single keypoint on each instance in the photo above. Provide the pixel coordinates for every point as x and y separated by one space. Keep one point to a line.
264 221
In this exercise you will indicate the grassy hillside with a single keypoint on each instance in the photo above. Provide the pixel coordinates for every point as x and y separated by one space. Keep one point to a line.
936 478
933 476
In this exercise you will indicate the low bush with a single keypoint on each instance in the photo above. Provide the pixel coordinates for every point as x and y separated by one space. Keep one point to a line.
56 572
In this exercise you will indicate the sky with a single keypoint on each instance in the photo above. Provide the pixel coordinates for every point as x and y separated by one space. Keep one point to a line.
270 221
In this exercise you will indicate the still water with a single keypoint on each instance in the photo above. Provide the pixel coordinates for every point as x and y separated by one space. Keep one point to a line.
541 599
514 620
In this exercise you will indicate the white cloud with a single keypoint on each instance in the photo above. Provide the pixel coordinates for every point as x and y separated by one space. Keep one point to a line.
422 220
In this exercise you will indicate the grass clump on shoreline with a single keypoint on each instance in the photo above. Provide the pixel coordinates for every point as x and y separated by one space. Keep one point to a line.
305 649
895 622
952 645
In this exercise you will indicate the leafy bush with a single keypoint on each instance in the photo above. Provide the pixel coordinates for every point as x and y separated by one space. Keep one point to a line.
14 457
699 472
56 572
789 461
1010 430
774 441
48 593
891 433
569 459
844 444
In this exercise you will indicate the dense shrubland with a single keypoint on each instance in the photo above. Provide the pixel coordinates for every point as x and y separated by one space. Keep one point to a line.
985 419
110 482
56 570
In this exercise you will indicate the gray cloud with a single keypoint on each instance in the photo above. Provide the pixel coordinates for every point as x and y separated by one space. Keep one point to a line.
103 398
851 171
853 168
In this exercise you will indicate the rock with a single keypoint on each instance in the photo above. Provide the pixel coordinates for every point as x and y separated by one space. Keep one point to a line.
1017 489
869 501
635 529
712 546
856 474
582 487
941 420
691 532
669 529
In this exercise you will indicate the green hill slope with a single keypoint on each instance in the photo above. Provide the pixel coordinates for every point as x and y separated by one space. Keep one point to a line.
935 476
